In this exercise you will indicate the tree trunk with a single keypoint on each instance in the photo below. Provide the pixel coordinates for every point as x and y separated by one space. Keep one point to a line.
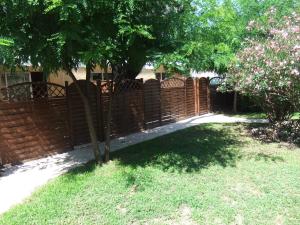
235 102
1 161
109 113
89 118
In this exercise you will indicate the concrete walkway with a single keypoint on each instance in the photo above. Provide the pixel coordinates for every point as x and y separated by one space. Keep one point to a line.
18 182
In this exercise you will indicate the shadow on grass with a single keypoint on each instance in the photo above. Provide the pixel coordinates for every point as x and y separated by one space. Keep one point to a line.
189 150
249 115
267 158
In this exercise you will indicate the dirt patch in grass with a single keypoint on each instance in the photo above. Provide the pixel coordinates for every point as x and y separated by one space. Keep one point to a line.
185 216
287 132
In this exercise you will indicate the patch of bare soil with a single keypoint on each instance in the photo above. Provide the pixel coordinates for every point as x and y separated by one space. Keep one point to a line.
287 133
182 217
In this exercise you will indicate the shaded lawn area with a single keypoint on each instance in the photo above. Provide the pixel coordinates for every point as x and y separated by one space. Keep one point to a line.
250 115
209 174
260 115
296 116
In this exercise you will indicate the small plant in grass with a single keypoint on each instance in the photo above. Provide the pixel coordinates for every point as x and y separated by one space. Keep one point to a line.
268 67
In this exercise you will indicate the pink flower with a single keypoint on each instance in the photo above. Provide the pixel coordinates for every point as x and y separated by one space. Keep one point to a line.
297 47
295 72
285 35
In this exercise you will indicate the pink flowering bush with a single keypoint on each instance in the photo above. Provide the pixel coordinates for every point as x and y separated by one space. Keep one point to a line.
268 67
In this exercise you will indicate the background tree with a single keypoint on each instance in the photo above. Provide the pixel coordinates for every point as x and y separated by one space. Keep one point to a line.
141 35
54 35
61 34
267 68
6 53
155 28
215 32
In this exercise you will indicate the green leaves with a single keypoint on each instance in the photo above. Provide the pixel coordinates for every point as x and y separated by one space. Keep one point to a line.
7 56
6 42
218 28
53 4
128 33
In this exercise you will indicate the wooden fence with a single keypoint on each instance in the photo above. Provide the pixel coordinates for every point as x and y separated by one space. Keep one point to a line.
32 122
39 119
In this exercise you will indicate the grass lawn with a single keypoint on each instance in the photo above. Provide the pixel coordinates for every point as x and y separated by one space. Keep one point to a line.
296 116
260 115
209 174
252 115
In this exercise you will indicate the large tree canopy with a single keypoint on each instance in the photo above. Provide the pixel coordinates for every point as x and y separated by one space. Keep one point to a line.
127 33
180 34
62 34
216 32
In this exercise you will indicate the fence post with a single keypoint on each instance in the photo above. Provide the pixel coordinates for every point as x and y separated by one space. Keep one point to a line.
160 113
185 99
100 123
208 95
196 93
69 114
143 104
1 157
200 108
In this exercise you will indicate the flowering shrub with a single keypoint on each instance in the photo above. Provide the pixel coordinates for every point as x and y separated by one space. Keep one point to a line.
267 68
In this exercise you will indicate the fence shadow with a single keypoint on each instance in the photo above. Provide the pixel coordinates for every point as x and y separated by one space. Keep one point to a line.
189 150
186 151
192 150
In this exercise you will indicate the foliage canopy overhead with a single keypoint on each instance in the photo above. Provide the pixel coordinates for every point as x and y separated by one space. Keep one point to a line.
127 33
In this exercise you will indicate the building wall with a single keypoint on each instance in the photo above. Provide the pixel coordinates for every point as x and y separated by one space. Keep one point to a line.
146 74
61 77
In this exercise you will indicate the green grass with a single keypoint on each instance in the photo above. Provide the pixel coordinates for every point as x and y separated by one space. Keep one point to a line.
209 174
260 115
253 115
296 116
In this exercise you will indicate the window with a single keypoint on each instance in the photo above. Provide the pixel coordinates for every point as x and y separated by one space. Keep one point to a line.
160 76
106 76
157 76
100 76
215 81
96 76
8 79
